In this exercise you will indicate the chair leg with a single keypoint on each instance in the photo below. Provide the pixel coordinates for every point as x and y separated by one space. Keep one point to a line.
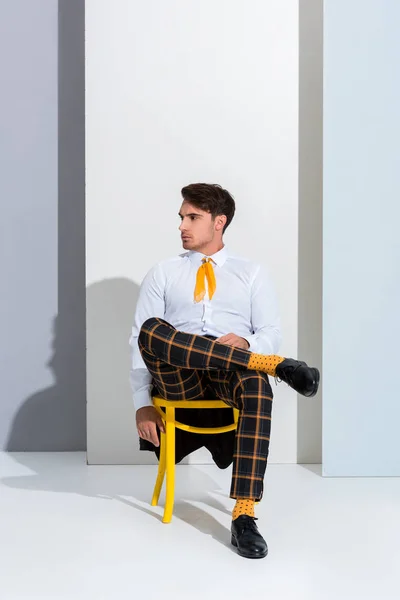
161 471
170 464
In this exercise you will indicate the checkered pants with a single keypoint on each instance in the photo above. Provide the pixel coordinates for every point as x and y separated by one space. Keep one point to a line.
183 365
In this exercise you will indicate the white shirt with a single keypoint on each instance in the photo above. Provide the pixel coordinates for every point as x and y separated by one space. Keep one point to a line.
244 303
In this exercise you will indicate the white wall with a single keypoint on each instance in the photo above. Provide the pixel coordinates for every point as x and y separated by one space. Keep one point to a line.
178 92
361 283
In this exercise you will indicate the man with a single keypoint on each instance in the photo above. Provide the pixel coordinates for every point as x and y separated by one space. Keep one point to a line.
207 319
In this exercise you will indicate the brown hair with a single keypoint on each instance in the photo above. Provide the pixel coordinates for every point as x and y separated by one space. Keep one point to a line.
212 198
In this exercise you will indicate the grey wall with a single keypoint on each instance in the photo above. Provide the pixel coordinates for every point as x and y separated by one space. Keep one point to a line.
42 310
309 413
361 283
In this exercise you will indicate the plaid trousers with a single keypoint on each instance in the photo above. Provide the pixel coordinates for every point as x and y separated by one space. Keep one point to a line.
183 365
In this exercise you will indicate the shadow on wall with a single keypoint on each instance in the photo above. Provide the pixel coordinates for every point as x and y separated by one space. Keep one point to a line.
111 429
53 419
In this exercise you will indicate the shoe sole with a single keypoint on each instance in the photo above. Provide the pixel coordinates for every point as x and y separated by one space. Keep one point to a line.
315 383
234 543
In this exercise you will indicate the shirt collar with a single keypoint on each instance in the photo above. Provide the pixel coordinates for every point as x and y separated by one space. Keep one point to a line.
219 257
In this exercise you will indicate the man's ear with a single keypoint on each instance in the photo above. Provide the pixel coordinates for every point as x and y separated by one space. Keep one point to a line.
220 221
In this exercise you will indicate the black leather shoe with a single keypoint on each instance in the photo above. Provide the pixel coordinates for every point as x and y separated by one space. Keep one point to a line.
299 376
247 539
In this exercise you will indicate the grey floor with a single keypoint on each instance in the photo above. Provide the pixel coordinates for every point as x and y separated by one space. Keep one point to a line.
78 532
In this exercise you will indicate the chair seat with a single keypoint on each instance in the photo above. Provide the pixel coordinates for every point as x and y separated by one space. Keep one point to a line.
170 405
162 402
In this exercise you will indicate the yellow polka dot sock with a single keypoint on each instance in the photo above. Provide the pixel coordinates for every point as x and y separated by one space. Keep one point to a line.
243 506
266 363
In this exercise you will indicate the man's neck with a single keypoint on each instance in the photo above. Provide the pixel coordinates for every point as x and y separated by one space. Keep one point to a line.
210 250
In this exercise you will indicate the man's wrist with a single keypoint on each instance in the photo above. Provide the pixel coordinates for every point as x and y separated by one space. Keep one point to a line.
247 342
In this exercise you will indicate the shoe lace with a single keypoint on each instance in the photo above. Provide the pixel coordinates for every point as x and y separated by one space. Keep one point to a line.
250 524
289 377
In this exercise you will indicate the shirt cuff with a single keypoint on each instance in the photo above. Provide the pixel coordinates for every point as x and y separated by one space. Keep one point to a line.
142 398
253 345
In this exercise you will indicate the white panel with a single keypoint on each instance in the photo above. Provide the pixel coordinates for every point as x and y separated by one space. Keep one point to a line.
178 92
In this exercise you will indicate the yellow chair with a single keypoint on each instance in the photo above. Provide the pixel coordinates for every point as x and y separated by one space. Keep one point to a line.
167 443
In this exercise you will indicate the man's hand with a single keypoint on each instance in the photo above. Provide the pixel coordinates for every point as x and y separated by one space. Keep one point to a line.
147 419
230 339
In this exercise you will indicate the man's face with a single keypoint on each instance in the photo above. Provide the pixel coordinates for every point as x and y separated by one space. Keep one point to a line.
197 227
